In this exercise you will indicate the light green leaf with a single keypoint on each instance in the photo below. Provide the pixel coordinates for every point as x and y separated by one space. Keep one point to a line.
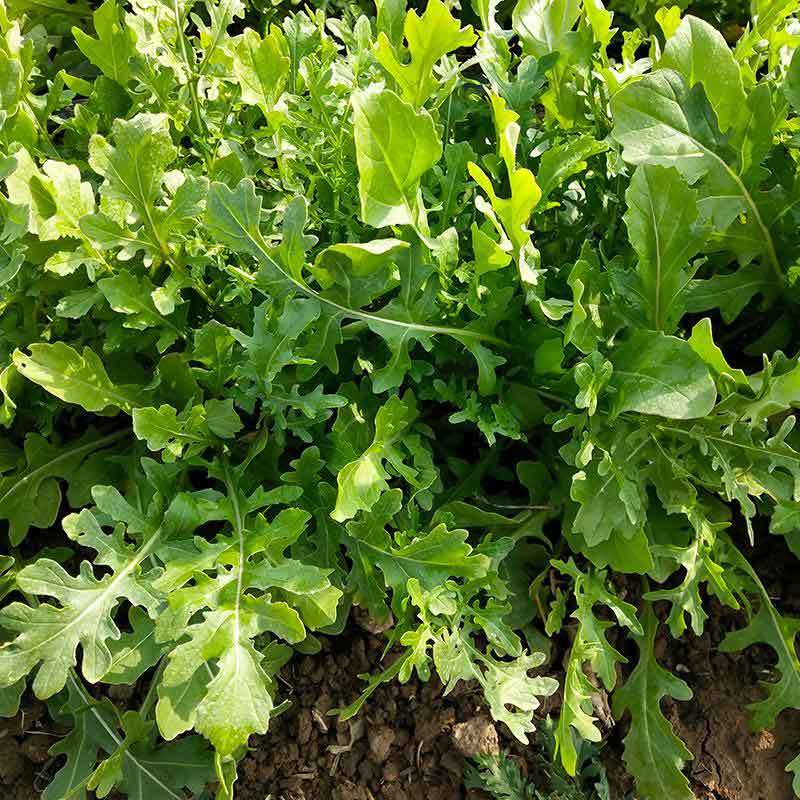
132 296
358 259
543 25
76 378
699 565
237 702
613 501
49 636
700 53
395 146
663 226
134 167
222 419
702 342
163 428
794 767
233 217
681 129
111 51
429 38
507 685
791 84
589 646
56 197
261 66
429 557
514 211
361 482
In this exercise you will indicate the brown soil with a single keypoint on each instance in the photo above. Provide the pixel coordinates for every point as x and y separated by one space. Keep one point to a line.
409 743
24 760
730 761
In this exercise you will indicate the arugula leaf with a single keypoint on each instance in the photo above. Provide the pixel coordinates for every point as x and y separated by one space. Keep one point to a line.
261 67
768 626
55 197
684 134
653 753
130 761
665 231
429 37
362 481
233 217
590 646
31 496
113 48
76 377
661 375
49 635
191 694
429 558
395 146
513 212
700 53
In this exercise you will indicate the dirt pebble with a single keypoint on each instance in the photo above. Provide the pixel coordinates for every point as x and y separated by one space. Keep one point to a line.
476 736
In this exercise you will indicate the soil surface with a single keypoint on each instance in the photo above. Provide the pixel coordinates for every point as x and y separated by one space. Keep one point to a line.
410 743
730 761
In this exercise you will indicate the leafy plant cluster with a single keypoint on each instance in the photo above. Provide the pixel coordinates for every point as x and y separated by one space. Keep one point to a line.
414 310
500 777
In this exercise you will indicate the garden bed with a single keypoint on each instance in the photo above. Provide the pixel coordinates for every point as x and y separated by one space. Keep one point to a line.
399 401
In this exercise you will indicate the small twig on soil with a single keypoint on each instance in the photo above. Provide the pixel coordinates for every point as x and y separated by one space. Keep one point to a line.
319 719
284 681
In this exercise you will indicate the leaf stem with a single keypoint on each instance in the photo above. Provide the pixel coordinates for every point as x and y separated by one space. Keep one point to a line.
456 333
149 698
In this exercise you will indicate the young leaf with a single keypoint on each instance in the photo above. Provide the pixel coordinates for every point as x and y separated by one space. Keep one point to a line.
395 146
76 378
589 646
111 51
362 481
700 53
261 67
429 38
429 558
664 229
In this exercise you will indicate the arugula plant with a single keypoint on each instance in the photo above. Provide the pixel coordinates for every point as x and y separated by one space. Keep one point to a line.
311 308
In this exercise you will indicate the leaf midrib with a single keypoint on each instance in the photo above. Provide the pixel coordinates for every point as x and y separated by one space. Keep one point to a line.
263 255
95 445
